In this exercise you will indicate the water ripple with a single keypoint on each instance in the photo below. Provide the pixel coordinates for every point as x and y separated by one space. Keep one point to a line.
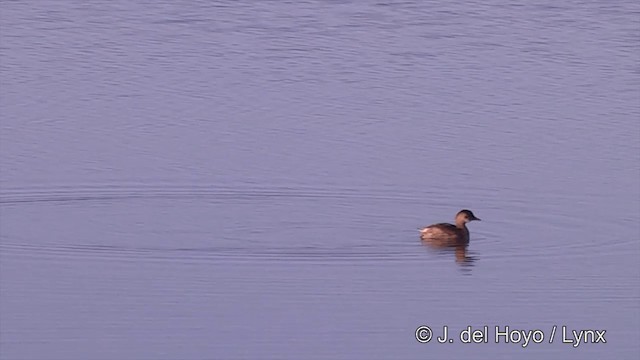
69 194
350 254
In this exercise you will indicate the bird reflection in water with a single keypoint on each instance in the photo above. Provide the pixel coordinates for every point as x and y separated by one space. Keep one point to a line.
462 256
460 253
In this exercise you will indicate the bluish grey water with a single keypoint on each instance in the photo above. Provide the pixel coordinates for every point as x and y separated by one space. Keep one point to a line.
244 180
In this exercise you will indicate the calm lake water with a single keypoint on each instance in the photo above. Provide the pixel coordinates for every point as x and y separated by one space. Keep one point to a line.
244 180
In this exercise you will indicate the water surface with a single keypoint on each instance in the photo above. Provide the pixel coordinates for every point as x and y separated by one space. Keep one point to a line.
244 180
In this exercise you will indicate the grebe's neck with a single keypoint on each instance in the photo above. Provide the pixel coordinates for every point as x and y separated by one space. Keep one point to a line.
462 225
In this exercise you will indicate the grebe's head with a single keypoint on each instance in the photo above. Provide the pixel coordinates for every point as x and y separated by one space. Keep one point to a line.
466 216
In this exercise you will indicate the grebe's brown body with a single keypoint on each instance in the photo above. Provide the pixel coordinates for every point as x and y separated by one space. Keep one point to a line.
444 234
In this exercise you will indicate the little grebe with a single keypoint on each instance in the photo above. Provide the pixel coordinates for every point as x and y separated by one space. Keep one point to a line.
448 234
